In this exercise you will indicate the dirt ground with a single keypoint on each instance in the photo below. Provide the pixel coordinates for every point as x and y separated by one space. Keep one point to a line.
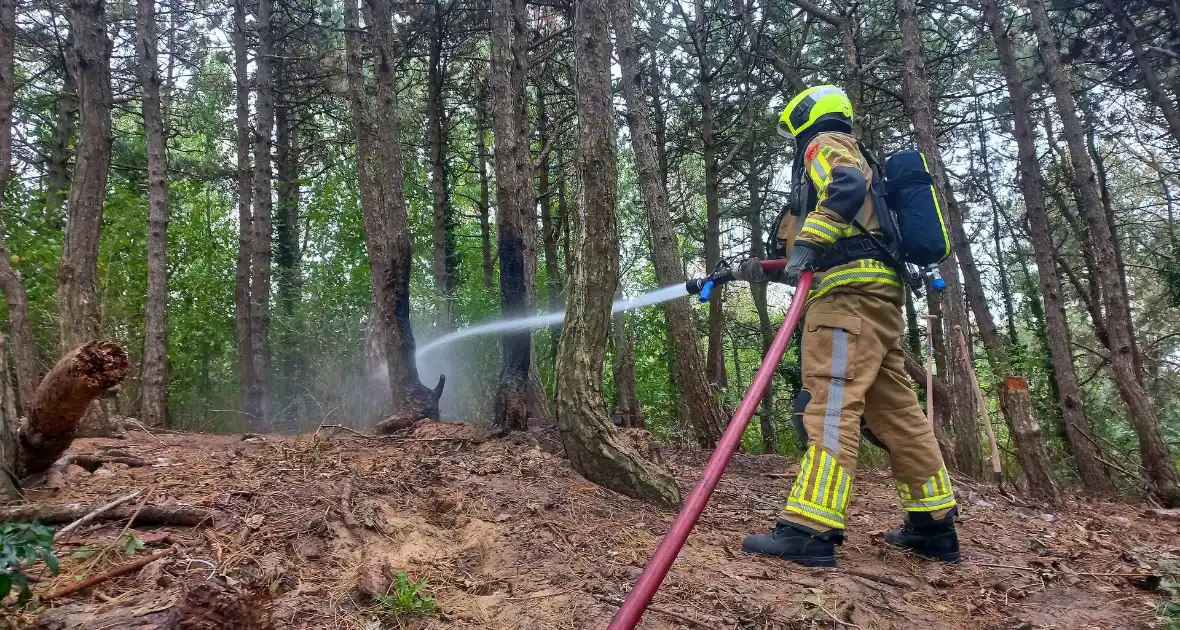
510 538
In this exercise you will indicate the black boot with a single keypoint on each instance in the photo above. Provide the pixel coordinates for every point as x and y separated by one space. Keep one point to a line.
927 537
795 543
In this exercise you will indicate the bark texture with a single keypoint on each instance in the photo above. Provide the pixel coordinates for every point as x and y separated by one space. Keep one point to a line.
155 342
245 179
1160 475
704 412
260 260
626 398
1032 186
594 447
445 253
24 351
387 240
515 194
78 268
63 397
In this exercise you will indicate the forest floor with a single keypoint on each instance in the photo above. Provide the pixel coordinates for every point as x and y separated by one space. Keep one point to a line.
509 537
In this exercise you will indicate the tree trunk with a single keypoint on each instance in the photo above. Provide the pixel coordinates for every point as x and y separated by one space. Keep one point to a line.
1026 431
264 120
287 254
706 416
1091 472
715 356
548 226
485 202
384 207
57 167
24 350
155 344
626 398
445 254
918 105
77 272
245 176
62 399
1161 478
514 198
1119 261
592 444
9 420
758 290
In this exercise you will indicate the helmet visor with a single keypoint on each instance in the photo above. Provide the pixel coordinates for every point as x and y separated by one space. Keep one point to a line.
782 130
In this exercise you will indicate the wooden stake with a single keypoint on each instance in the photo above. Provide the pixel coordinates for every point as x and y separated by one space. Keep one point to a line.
930 322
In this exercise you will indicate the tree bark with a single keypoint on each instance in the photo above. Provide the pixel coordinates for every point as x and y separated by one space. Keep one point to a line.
705 413
154 391
76 277
245 177
1090 470
1160 475
485 202
183 515
626 398
384 207
63 397
445 254
1026 431
591 442
288 350
260 260
514 198
24 350
548 226
57 167
758 290
9 426
715 355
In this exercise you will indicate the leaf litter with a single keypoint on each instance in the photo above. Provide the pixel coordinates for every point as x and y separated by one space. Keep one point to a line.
309 531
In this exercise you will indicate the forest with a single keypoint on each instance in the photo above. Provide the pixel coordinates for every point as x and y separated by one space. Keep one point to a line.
264 209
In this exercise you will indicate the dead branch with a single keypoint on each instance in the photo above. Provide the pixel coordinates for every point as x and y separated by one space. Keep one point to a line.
93 514
106 575
891 580
175 514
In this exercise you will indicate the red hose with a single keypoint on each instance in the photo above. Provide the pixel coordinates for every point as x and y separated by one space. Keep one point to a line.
637 601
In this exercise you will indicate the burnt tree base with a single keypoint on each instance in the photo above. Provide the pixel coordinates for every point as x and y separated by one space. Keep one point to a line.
419 402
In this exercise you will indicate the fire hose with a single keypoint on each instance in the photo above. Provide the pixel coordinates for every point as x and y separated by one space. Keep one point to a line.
649 581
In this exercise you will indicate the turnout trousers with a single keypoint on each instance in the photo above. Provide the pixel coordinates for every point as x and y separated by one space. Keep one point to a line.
854 368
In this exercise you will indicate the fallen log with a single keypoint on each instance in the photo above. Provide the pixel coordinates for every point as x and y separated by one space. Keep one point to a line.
62 398
93 461
174 514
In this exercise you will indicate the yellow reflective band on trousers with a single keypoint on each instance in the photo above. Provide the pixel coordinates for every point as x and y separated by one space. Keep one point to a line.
822 490
865 271
934 495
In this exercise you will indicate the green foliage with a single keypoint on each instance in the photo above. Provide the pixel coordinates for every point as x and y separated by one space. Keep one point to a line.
21 545
405 600
130 544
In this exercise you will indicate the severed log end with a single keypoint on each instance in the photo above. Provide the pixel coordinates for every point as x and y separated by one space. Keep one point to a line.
63 397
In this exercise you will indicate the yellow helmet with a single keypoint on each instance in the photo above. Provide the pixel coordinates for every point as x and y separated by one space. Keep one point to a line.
822 102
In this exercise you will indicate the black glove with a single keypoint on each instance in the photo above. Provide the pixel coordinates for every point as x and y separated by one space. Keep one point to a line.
801 259
750 270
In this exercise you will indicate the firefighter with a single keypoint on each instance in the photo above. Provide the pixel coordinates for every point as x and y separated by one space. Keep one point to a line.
852 354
